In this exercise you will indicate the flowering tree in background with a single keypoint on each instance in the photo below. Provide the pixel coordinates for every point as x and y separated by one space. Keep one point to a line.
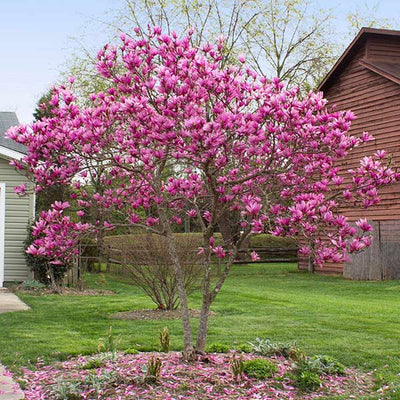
178 135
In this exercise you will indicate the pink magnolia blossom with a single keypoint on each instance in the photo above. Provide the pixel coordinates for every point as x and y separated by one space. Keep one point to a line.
254 256
364 225
21 189
182 135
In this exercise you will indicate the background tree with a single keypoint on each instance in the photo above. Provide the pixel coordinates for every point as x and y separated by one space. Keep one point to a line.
43 108
368 17
233 142
287 39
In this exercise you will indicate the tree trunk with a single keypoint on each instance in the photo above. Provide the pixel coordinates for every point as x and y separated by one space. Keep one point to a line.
229 227
188 350
53 284
207 299
205 309
311 265
203 325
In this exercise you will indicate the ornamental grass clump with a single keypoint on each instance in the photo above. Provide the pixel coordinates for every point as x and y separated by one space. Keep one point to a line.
109 343
152 370
237 366
164 340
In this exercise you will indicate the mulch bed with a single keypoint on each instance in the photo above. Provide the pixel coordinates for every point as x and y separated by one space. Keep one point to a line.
155 314
210 378
65 291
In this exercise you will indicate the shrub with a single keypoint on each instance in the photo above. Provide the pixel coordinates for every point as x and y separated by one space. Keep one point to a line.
148 264
32 285
131 350
43 271
244 348
218 348
259 368
272 241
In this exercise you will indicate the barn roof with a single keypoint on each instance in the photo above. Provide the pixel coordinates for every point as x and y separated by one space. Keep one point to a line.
388 70
8 146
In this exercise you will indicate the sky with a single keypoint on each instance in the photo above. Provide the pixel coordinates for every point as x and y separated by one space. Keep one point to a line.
38 37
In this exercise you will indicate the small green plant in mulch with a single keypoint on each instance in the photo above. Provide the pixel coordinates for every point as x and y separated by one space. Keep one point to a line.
131 350
98 360
259 368
94 363
308 371
67 390
32 285
307 380
328 365
266 347
217 348
99 381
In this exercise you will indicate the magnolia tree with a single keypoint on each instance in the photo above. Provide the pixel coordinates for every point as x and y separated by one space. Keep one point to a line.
176 136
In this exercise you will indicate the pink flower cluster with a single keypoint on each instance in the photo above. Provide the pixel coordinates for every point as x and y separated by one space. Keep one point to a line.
56 235
177 135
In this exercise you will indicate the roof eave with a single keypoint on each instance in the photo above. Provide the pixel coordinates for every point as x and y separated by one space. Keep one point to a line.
379 71
357 40
10 154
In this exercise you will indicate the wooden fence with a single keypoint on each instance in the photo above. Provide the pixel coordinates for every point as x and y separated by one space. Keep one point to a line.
268 254
90 259
381 260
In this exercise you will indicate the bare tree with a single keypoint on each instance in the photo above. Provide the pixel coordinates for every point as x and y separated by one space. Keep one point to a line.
290 41
368 17
280 38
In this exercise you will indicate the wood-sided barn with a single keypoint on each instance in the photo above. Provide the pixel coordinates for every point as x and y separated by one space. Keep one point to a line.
366 80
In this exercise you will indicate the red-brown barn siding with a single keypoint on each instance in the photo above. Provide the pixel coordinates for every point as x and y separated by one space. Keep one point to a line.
383 48
375 99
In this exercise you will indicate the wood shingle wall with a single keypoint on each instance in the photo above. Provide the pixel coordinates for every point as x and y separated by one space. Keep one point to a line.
365 82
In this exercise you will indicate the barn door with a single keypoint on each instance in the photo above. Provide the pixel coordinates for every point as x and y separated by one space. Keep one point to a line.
2 230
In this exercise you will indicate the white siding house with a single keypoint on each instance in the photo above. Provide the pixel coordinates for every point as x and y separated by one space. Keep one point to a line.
16 213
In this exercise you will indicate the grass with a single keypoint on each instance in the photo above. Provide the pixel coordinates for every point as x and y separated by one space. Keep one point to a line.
356 322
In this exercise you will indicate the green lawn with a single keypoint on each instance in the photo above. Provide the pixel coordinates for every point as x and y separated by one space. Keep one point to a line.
356 322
